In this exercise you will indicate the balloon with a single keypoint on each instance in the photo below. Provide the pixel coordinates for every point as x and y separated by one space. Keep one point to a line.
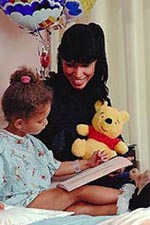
75 8
87 5
33 15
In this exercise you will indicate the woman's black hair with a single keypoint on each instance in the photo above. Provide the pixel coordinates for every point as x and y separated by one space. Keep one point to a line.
84 43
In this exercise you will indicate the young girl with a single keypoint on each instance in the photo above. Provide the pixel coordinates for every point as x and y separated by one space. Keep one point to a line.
27 166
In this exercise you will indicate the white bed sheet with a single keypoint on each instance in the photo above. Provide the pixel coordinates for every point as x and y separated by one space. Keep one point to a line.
24 216
139 216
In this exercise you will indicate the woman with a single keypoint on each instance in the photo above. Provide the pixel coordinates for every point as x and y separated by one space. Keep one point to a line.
80 82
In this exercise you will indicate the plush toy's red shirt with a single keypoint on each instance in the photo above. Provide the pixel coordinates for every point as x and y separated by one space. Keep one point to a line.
110 142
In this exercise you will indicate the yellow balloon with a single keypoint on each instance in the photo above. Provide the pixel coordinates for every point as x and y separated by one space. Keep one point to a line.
87 5
75 8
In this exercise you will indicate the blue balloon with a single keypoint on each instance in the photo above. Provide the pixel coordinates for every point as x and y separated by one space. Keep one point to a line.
73 8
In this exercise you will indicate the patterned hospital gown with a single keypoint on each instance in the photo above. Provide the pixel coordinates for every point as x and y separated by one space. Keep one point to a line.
26 168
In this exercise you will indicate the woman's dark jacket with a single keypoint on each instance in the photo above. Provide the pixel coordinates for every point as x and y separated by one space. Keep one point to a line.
70 107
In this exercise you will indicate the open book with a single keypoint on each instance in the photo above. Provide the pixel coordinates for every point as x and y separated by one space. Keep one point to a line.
94 173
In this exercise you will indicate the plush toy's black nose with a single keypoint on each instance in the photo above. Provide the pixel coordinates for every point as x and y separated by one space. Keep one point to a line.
108 120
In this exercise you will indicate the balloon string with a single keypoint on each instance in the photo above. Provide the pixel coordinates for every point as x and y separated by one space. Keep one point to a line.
42 39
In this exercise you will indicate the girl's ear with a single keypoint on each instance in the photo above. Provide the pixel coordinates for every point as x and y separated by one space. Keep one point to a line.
18 123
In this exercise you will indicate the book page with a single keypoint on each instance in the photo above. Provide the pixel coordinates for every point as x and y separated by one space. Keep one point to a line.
91 174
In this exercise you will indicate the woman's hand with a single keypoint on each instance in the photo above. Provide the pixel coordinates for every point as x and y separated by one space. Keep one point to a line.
116 173
121 170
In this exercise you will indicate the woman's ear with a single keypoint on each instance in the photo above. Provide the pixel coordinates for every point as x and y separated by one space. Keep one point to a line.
18 123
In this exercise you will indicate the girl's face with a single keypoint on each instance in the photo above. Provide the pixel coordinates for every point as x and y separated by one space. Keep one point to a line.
36 123
78 74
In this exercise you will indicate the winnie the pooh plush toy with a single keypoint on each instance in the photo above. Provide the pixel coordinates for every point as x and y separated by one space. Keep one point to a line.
107 125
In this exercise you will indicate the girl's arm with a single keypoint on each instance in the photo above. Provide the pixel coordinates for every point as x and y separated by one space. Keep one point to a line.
71 167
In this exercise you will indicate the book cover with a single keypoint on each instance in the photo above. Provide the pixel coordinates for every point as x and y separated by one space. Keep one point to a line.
94 173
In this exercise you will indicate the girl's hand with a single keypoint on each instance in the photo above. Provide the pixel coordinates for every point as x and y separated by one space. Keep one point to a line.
97 158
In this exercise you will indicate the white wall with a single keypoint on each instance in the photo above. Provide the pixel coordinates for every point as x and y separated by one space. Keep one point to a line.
17 48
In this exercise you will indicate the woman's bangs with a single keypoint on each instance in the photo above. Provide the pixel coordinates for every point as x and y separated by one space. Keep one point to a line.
79 56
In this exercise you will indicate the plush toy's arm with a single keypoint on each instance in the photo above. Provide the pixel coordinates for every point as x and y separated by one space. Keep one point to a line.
121 147
82 129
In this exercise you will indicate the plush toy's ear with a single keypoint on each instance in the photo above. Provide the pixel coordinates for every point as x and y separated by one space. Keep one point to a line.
124 116
98 104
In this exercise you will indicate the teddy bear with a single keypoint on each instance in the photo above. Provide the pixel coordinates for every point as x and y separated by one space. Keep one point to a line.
103 133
